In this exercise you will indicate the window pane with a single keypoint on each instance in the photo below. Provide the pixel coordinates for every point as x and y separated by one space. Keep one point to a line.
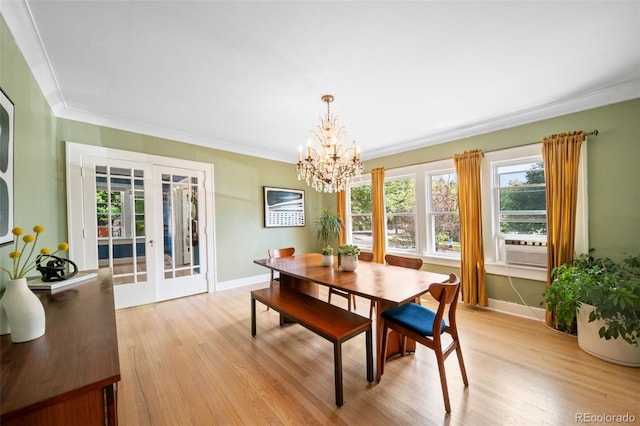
519 174
444 192
401 232
523 198
361 233
528 223
400 207
361 199
400 196
446 228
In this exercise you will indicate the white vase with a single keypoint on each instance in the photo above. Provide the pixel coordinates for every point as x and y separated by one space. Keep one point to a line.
327 260
349 263
23 310
613 350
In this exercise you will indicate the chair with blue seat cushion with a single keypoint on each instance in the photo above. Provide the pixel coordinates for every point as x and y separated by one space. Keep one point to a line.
418 323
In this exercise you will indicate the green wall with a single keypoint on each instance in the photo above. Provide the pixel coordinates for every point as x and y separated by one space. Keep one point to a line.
613 170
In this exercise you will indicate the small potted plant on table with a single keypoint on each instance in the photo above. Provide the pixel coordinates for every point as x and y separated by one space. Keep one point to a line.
348 257
327 256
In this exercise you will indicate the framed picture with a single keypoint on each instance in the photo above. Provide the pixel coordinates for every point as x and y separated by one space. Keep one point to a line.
283 207
6 169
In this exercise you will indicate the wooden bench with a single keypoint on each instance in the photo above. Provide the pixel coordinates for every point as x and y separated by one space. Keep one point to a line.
328 321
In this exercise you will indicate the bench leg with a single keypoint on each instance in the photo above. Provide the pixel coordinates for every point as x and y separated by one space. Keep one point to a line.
253 316
337 361
369 340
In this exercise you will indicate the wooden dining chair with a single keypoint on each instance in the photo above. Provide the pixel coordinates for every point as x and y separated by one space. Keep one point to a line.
405 262
278 252
275 253
427 327
362 256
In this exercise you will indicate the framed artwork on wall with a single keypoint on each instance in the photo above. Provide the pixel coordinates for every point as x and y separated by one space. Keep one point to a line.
283 207
6 169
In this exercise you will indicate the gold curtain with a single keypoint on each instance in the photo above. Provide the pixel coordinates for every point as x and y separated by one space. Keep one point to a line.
377 216
561 156
342 212
468 167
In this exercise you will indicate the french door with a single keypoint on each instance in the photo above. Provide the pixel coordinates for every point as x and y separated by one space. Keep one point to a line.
146 222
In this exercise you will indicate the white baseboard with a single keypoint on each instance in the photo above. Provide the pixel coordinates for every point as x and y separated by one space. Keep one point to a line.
517 309
242 282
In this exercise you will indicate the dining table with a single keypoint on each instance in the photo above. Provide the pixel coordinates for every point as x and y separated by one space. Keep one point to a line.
384 285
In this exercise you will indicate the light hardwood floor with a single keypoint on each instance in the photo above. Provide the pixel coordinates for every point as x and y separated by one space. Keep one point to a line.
192 361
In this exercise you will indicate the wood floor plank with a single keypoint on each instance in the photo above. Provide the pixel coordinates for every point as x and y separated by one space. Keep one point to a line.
192 361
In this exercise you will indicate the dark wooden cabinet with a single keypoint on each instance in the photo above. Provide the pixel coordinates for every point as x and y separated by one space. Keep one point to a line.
69 375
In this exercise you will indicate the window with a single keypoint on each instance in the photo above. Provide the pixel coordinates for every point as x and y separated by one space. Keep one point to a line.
400 213
421 212
443 234
359 212
514 207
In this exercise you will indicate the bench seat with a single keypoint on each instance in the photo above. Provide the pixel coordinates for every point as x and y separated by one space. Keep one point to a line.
328 321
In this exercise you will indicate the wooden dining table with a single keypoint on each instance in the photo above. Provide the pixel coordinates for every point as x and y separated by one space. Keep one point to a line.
385 285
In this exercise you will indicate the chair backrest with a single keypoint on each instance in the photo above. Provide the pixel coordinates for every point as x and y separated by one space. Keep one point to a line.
281 252
407 262
447 295
365 256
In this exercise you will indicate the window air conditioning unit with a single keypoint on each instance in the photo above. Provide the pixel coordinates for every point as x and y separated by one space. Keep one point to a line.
526 252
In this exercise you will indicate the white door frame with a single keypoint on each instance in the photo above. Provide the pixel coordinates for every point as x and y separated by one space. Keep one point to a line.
81 247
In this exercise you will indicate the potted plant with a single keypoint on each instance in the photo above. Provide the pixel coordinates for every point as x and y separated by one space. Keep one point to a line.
599 299
327 256
329 227
348 257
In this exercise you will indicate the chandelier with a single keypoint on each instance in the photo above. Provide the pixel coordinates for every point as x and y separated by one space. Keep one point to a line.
328 165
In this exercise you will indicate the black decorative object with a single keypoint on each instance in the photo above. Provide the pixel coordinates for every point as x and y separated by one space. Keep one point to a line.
55 269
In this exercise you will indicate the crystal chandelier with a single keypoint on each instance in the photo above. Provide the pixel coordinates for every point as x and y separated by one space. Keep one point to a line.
329 165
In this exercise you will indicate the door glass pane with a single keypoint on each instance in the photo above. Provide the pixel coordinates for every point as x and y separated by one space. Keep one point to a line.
120 223
180 225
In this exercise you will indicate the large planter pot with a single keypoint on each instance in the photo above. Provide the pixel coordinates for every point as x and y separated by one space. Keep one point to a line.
349 262
613 350
23 312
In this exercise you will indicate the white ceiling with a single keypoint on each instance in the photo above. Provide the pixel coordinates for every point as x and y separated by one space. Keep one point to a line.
247 76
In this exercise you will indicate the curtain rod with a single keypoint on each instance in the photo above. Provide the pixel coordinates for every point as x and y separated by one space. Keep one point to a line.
592 133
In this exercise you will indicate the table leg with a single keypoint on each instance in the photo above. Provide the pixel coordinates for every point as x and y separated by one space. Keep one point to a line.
379 355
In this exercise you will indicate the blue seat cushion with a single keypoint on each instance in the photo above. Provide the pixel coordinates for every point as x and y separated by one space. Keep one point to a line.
413 317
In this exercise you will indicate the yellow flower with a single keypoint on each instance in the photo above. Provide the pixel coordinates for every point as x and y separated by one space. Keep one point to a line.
23 259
